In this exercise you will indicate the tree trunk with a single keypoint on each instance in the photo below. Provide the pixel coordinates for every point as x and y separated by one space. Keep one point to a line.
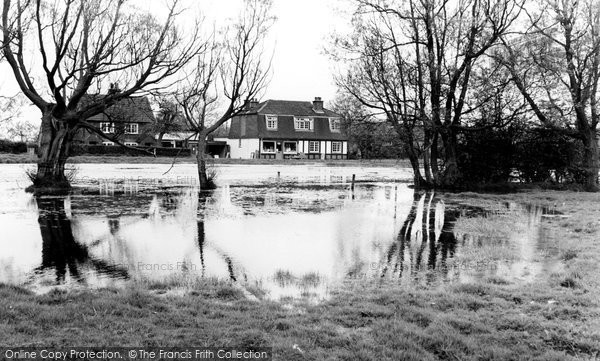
591 162
427 156
418 180
451 176
433 163
54 145
205 182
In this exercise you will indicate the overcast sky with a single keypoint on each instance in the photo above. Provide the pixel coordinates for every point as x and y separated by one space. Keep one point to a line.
300 68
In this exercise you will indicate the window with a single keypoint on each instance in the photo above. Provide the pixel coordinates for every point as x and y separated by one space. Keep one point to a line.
131 128
131 144
110 144
335 124
107 127
336 147
313 146
271 122
290 147
304 124
268 147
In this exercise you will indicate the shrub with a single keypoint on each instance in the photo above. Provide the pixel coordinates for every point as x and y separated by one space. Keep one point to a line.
528 154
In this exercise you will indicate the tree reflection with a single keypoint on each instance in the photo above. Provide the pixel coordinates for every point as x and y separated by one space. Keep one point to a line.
425 240
60 251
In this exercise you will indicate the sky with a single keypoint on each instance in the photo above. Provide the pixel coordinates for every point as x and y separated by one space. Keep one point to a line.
301 70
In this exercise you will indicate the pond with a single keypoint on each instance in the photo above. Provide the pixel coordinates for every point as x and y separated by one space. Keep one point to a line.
295 231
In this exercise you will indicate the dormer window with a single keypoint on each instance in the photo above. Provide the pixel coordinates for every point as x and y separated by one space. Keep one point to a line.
303 124
132 128
335 124
271 122
107 127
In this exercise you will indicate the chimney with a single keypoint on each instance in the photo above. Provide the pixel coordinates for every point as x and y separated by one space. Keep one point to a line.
250 104
114 88
318 105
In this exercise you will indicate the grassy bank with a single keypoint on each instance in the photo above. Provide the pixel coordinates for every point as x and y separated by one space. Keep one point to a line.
555 318
91 159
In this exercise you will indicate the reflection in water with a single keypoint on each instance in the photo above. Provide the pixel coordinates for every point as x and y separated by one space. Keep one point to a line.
61 253
423 244
293 242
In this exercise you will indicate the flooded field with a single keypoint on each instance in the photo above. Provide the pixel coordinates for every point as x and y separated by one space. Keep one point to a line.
294 231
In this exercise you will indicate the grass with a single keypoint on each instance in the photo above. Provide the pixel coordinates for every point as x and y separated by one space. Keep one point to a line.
555 318
82 159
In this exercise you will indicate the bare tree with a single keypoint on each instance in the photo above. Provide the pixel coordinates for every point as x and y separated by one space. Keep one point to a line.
556 67
234 66
75 46
168 120
420 62
21 130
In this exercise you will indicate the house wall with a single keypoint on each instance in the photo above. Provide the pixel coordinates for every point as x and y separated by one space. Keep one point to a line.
325 150
243 148
143 138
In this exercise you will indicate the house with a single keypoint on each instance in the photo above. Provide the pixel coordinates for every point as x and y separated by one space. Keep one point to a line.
130 121
284 129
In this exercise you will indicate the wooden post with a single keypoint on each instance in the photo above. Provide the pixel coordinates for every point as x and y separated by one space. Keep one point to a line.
353 179
278 175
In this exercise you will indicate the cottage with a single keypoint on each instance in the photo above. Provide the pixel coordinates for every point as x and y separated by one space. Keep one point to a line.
130 121
283 129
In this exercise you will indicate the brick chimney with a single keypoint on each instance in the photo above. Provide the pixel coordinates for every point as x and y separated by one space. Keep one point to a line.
114 88
251 104
318 105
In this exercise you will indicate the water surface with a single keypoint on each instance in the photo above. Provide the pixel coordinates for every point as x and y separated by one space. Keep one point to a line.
295 235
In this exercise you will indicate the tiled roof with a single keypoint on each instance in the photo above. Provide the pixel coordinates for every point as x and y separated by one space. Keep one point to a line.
128 110
254 126
290 107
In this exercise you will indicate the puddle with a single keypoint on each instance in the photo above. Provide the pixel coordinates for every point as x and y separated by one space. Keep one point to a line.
292 240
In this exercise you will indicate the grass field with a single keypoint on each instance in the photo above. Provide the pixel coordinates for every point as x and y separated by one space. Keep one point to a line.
554 318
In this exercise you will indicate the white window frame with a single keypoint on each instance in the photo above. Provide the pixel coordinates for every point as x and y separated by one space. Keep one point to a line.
312 149
134 126
273 120
108 144
131 144
339 145
335 125
304 124
291 151
263 150
107 127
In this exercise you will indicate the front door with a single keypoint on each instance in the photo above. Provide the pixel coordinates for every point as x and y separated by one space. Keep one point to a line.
279 150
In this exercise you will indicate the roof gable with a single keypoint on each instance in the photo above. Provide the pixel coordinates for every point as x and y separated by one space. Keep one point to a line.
127 110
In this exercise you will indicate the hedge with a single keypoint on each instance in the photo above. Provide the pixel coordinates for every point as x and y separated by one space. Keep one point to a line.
117 150
7 146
